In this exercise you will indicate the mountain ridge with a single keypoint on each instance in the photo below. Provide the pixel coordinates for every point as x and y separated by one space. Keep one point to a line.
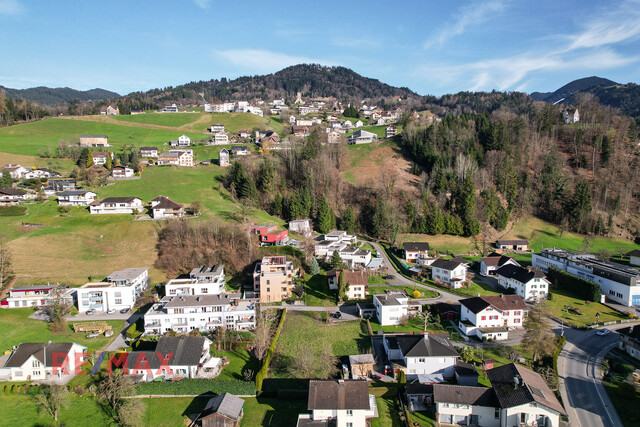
50 96
578 85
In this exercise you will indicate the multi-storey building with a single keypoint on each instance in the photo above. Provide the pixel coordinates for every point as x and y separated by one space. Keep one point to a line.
119 290
32 296
491 317
204 280
273 278
531 285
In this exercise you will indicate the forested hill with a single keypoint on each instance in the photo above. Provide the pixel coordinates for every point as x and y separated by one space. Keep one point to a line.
313 81
571 88
49 96
625 97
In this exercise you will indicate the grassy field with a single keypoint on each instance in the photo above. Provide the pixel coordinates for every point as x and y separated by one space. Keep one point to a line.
59 165
317 292
16 327
388 413
424 293
561 298
239 360
78 411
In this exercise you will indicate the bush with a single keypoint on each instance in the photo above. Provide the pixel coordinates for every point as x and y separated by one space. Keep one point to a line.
14 388
582 288
264 370
626 391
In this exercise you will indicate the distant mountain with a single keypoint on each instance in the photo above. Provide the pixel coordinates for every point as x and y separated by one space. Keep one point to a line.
311 80
569 89
49 96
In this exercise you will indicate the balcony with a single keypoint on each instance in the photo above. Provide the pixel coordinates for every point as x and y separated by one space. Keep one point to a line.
96 299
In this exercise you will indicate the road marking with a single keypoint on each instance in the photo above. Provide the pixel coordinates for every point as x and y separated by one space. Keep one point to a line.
595 384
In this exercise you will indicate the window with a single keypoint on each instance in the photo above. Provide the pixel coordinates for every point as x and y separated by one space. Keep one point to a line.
483 318
496 413
35 364
34 373
178 310
268 282
204 290
118 300
421 360
349 424
349 413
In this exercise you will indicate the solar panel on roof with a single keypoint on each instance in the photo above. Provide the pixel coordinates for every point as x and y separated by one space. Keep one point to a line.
536 391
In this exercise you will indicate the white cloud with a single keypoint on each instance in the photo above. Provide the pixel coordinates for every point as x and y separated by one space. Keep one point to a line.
202 4
616 26
260 61
10 7
471 14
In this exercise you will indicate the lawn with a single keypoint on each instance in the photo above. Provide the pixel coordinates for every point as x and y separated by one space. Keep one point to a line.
562 298
60 165
424 293
376 280
78 411
174 120
317 292
306 329
422 419
16 327
388 413
239 361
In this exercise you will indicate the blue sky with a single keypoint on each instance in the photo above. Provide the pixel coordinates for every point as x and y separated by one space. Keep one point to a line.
432 47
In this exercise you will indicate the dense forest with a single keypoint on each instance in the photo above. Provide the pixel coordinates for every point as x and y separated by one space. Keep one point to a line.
50 96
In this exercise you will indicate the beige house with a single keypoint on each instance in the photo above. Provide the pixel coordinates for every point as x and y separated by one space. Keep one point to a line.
176 158
361 365
273 278
94 141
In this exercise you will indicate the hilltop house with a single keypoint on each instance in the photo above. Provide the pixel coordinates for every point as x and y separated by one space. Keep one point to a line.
362 137
356 281
449 271
392 307
183 141
491 317
217 129
117 205
219 138
110 111
35 361
15 171
301 226
531 284
489 264
94 141
173 108
420 354
148 152
120 172
176 158
76 198
223 158
163 207
99 157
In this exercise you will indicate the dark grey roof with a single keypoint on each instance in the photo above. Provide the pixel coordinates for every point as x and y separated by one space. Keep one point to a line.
496 261
416 246
464 369
475 304
149 148
12 192
419 388
200 300
501 302
227 405
38 350
632 332
74 192
390 298
422 345
129 199
443 307
635 252
338 394
446 264
518 273
361 359
185 351
207 270
166 203
464 395
531 387
513 242
93 136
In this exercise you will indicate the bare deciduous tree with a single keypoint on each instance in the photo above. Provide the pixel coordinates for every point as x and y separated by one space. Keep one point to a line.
52 399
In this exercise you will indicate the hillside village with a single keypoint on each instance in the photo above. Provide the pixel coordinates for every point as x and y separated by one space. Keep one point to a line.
236 282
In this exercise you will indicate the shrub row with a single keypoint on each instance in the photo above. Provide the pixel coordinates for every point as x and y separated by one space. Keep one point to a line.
578 286
197 386
264 370
556 353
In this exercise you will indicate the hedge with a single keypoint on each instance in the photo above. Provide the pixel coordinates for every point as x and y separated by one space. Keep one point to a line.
197 386
264 370
556 353
578 286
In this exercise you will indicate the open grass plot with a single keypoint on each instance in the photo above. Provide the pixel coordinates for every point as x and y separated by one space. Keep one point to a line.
560 305
16 327
77 411
59 165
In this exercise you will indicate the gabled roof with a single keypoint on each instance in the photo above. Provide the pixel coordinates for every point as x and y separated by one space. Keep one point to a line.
129 199
227 405
443 307
635 252
501 302
166 203
464 395
475 304
149 148
513 242
518 273
184 350
416 246
531 387
338 394
497 261
422 345
354 278
12 191
632 332
464 369
446 264
39 350
74 193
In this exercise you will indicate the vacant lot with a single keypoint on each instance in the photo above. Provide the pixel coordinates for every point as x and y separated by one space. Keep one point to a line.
562 299
78 411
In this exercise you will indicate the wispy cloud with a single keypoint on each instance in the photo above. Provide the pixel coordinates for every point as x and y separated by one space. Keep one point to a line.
616 26
259 61
472 14
10 7
202 4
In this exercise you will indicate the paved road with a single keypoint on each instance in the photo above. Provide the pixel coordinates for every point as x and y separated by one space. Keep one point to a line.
401 280
584 396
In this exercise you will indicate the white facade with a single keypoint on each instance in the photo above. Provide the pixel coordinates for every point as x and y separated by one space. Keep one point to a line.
536 288
184 314
454 277
76 198
36 367
461 414
15 171
487 268
117 205
492 317
344 417
634 260
362 137
391 307
203 280
122 172
530 414
220 138
120 290
176 158
424 363
184 141
32 296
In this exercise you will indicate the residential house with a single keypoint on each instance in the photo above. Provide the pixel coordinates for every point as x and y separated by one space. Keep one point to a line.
301 130
303 110
119 290
339 403
217 129
15 171
182 141
276 238
356 281
362 137
58 185
163 207
219 138
301 226
134 111
630 340
513 245
414 252
420 354
110 111
270 137
186 313
41 173
335 240
99 157
304 122
333 137
446 311
354 256
390 131
489 264
117 205
530 284
176 158
10 196
466 405
634 257
94 141
361 366
36 361
243 133
120 172
203 280
392 307
173 108
223 158
221 107
239 150
619 283
224 410
273 278
571 115
76 198
358 124
173 358
262 229
32 296
491 317
450 271
148 152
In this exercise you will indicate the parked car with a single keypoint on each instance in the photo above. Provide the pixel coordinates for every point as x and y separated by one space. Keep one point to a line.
111 311
390 277
89 312
125 310
93 335
603 332
337 315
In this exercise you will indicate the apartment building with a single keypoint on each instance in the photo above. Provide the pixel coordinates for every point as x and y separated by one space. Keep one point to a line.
32 296
119 291
176 158
273 278
203 280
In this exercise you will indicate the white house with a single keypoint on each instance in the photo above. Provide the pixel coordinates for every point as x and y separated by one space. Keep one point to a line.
356 281
122 172
531 285
174 357
183 141
634 257
100 157
489 264
344 403
491 317
219 138
332 241
32 296
449 271
148 151
163 207
301 226
15 171
392 307
203 280
76 198
41 173
119 290
176 158
173 108
571 115
117 205
353 256
217 129
466 405
240 150
34 361
415 252
421 354
362 137
13 195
